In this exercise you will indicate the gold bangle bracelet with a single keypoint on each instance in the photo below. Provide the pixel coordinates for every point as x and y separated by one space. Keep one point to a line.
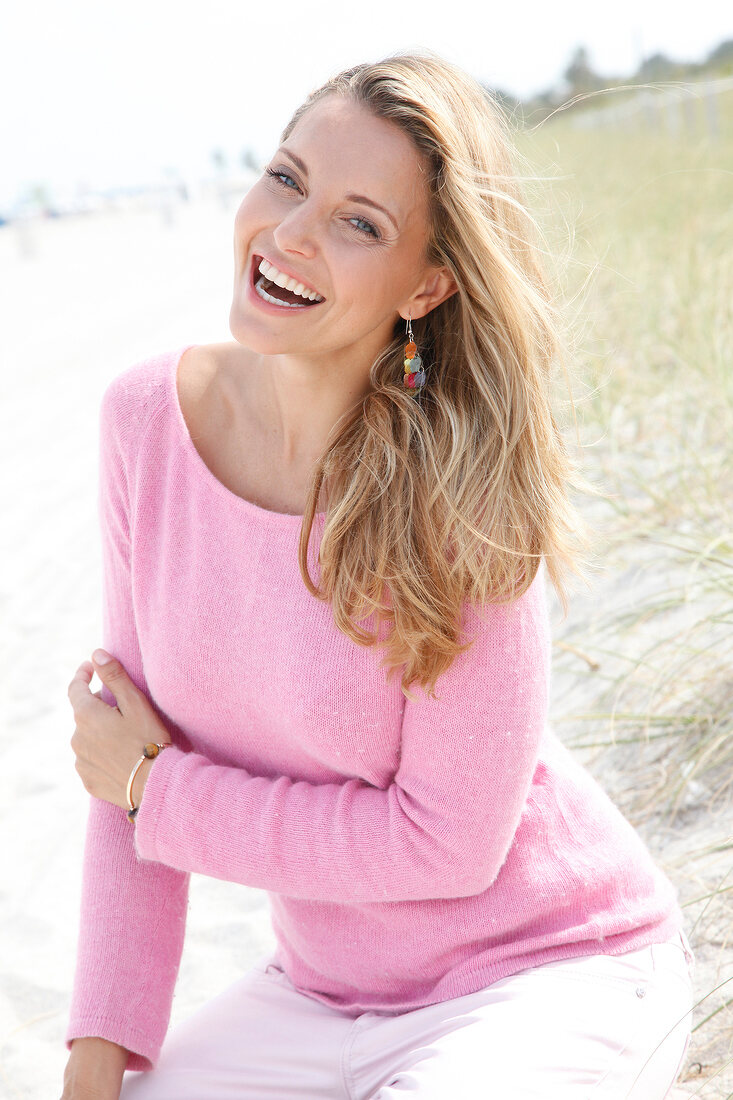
150 751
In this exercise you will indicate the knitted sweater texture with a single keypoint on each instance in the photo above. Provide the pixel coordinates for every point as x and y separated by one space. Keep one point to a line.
412 851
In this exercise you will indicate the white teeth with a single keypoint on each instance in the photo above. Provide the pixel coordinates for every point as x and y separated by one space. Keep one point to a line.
287 282
275 301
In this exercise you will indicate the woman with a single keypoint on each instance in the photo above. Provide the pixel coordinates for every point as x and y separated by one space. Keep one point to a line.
459 909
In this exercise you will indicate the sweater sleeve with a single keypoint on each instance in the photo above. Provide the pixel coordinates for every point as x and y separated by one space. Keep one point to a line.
442 828
132 912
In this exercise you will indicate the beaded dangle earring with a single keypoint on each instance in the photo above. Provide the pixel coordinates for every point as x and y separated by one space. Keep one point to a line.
414 371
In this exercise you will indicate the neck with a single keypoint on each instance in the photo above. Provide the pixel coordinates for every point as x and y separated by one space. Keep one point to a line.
299 400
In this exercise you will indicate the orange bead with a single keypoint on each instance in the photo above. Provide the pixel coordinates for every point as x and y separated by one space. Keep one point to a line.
410 350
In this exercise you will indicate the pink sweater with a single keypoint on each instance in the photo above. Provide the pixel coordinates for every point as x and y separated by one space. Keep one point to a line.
412 852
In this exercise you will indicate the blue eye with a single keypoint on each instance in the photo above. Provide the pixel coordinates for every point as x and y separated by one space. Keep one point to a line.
281 177
370 230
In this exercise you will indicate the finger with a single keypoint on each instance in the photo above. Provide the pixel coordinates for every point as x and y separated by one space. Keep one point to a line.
112 674
78 690
98 695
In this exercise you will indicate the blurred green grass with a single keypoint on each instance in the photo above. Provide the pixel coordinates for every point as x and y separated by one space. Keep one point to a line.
642 219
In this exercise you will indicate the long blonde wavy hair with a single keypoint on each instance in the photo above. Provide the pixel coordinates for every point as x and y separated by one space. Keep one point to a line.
457 492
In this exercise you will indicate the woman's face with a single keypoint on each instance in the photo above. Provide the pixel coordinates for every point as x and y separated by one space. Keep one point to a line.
343 209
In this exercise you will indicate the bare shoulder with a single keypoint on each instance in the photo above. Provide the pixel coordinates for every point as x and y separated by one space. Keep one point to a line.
202 381
197 369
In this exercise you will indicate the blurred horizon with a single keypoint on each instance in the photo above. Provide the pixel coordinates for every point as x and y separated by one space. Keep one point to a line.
143 98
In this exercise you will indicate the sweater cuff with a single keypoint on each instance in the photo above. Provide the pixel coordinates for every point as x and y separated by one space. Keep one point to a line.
149 813
143 1049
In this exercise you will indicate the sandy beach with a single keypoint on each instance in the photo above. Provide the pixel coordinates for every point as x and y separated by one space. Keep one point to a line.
82 299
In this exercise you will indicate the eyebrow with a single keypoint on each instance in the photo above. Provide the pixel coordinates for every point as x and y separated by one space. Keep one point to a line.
350 196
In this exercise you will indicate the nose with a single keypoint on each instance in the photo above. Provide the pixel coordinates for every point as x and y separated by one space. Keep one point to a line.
297 232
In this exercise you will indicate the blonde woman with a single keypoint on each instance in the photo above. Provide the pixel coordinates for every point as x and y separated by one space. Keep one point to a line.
326 660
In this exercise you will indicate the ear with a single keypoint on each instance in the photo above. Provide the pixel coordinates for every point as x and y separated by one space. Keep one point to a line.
438 285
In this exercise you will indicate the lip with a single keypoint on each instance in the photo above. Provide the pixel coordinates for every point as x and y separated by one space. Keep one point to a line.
257 260
270 307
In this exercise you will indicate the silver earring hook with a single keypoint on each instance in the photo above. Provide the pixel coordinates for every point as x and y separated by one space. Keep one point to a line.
409 326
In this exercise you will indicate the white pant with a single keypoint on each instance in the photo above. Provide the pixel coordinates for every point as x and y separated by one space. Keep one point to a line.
600 1027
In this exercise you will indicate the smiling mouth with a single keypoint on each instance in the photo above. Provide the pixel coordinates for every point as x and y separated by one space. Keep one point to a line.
277 295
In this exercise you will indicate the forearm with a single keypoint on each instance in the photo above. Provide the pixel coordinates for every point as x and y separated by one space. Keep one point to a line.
94 1070
124 979
346 842
441 828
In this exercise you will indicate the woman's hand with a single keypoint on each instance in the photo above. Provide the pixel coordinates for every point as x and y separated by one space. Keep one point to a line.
108 741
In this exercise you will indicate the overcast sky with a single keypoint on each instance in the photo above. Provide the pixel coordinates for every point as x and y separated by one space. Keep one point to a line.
98 93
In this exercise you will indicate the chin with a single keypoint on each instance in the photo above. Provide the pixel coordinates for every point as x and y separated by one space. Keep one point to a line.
255 337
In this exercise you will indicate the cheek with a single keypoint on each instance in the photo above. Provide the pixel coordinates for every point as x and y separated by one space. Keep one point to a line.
254 210
360 284
369 286
243 217
362 267
387 282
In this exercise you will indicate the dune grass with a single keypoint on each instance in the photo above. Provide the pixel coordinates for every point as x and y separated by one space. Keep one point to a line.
645 222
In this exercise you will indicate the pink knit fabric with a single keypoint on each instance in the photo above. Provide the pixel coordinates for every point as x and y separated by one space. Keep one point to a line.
413 852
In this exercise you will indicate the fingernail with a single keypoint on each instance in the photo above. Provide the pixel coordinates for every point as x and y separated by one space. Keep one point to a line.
101 657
